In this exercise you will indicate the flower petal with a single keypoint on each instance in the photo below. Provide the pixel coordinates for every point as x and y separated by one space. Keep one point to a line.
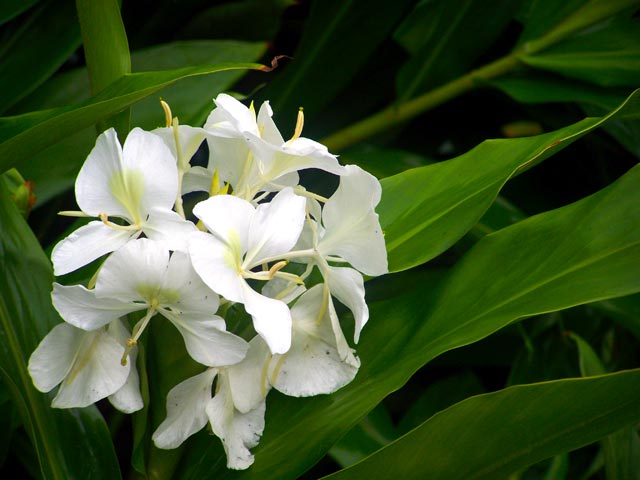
169 228
352 226
347 286
128 398
275 227
81 308
196 179
228 218
190 140
238 431
271 319
186 410
146 154
51 361
96 372
266 126
137 267
231 118
86 244
93 185
193 294
206 340
248 383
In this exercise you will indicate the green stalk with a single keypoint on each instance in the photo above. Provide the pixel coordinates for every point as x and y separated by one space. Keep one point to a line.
590 13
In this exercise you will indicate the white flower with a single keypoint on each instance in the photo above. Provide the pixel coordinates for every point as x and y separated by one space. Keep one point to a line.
142 276
250 153
137 183
87 366
236 412
242 238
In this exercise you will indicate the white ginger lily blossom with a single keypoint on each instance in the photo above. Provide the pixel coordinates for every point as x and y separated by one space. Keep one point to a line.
235 413
249 152
243 237
142 276
137 183
87 366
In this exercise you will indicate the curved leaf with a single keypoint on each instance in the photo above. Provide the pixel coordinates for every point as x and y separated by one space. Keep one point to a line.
490 436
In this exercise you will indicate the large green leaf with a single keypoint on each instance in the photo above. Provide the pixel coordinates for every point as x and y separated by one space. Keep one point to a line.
26 315
425 210
548 262
37 48
437 35
24 135
54 169
491 436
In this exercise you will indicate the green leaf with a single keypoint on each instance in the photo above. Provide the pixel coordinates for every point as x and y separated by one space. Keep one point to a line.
625 311
437 35
590 363
54 169
24 135
37 48
426 210
493 435
540 16
26 315
339 37
606 56
106 52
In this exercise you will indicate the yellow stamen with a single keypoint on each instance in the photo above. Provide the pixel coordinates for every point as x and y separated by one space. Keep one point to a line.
73 213
105 219
299 124
138 329
277 266
167 113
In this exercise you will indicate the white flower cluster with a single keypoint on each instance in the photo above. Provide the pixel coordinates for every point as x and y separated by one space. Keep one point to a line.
259 238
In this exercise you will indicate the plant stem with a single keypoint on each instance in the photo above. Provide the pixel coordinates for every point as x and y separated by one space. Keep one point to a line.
591 13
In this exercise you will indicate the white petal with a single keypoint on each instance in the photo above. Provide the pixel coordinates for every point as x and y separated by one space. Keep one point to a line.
193 294
196 179
93 185
352 226
271 319
146 153
266 126
134 270
186 410
238 431
231 157
282 290
128 398
190 140
86 244
347 286
231 110
206 340
96 372
51 361
312 366
227 217
275 227
169 228
248 381
81 308
214 262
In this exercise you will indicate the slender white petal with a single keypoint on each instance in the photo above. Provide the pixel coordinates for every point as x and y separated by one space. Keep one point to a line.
81 308
248 382
186 410
96 178
238 431
232 158
128 398
146 154
231 117
85 245
271 319
352 227
282 289
206 340
313 365
345 352
227 217
266 126
347 286
275 226
169 228
134 272
52 360
96 372
216 265
190 140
